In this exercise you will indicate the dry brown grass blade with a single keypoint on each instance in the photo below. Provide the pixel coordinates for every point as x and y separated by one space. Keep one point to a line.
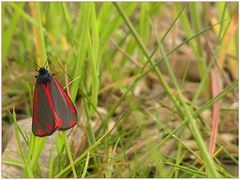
216 81
66 80
227 39
216 87
36 34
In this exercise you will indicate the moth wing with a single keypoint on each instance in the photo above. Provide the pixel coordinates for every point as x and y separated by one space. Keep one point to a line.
64 107
43 123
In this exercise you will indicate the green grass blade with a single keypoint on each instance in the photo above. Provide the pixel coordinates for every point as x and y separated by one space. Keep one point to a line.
51 163
25 160
94 57
132 29
228 89
25 15
42 40
86 11
91 148
13 162
7 38
86 166
69 154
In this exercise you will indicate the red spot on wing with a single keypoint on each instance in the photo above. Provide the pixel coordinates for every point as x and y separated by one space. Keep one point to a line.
41 132
72 123
49 126
66 97
35 105
46 88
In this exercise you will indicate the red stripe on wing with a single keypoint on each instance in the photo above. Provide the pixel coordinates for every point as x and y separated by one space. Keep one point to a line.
35 105
66 97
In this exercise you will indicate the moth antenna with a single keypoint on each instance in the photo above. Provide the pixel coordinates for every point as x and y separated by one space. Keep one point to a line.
48 58
32 61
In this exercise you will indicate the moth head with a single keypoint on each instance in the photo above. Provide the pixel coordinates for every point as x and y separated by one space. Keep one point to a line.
43 71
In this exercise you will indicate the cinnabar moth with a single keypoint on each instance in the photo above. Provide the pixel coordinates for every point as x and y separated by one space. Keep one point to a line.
52 107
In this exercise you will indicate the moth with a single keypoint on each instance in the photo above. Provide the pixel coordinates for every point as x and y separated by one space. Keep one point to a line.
52 107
